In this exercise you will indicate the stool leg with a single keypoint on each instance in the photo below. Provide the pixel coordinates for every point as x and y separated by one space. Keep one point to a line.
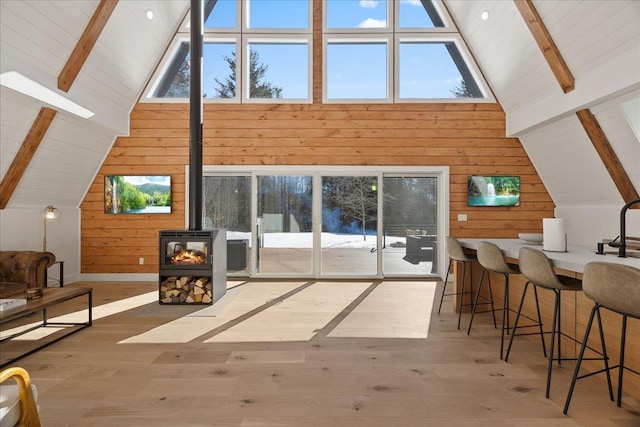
462 292
444 288
604 355
505 314
559 325
475 302
554 325
544 347
595 308
623 335
515 323
493 309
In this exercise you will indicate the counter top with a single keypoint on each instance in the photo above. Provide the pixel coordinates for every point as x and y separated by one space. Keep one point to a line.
574 259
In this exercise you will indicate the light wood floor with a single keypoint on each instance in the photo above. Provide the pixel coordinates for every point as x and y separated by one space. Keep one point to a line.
447 379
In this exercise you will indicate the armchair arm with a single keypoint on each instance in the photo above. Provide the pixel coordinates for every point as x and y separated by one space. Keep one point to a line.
28 409
26 266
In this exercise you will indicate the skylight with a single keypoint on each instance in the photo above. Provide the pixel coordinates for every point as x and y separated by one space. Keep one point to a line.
18 82
631 110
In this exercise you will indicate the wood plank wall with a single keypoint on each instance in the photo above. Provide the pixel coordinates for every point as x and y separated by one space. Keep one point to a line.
469 138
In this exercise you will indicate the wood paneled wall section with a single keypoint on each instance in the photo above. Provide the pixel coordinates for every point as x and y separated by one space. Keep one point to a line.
469 138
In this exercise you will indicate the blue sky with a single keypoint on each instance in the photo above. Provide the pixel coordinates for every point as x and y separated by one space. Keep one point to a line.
139 179
354 70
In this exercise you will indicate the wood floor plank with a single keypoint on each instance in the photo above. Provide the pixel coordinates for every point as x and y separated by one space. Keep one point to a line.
97 378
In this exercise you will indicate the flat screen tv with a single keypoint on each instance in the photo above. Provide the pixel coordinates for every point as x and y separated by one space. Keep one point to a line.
493 190
137 194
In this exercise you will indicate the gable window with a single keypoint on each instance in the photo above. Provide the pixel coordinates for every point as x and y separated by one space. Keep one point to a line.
252 53
433 69
425 58
344 72
383 51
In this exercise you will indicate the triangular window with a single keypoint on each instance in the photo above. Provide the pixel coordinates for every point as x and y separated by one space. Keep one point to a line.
254 52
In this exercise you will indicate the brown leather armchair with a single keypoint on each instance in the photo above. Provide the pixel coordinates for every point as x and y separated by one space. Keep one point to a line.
24 267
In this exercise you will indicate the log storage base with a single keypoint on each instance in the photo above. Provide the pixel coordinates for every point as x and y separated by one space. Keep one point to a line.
186 290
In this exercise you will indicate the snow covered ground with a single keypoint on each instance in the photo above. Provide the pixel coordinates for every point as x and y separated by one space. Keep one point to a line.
305 240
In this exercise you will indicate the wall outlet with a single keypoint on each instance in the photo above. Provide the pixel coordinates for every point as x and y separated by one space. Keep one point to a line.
462 217
141 261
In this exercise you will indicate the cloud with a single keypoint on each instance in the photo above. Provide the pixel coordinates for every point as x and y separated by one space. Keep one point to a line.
412 2
368 4
373 23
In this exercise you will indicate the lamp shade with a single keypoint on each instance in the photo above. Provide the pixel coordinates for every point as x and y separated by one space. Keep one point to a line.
50 213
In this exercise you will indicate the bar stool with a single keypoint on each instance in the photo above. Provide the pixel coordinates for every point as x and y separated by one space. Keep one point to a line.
615 287
538 270
492 260
455 252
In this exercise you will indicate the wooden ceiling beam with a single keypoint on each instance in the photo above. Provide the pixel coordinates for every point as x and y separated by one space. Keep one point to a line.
547 45
25 154
85 43
608 156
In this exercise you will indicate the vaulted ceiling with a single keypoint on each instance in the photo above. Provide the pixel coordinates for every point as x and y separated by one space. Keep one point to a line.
599 41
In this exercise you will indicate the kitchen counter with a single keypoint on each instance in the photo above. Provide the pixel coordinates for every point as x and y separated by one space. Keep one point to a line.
570 263
574 259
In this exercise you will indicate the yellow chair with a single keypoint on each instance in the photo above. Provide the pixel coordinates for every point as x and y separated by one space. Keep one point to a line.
28 410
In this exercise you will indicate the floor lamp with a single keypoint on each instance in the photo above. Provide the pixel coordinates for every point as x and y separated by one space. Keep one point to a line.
49 214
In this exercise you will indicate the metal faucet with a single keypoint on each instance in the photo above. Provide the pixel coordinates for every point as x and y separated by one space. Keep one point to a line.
622 250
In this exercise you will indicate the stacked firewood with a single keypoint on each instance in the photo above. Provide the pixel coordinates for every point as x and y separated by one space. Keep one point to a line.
186 290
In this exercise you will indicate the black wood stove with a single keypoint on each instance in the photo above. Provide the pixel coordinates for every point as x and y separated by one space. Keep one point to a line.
193 262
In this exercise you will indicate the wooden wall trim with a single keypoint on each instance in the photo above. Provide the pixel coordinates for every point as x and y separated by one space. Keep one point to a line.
468 138
85 43
607 155
547 45
25 154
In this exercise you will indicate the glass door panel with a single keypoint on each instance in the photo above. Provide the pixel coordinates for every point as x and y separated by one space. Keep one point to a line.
284 225
410 221
349 226
227 204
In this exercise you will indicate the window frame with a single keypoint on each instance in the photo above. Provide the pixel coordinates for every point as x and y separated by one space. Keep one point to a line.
448 33
245 29
440 9
466 57
283 38
241 35
388 29
338 38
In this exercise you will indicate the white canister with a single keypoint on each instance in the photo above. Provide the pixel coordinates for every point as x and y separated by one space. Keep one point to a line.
554 234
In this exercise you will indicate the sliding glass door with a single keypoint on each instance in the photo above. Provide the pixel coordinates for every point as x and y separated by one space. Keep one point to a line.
410 232
349 239
226 204
329 224
284 225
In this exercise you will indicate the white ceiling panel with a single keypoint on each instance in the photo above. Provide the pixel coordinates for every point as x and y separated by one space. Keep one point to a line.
569 165
600 42
36 40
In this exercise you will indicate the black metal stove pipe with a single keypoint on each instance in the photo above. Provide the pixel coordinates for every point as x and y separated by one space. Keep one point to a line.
195 117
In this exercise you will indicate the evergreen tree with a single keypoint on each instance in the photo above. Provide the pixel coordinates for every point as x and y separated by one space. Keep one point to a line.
180 85
462 90
258 88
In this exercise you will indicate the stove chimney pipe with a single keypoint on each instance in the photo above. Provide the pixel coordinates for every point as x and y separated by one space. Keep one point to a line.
195 117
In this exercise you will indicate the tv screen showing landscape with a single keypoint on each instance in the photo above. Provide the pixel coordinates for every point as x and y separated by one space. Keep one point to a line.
493 190
137 194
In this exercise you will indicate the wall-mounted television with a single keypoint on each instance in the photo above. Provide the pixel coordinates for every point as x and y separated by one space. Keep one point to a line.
493 190
137 194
